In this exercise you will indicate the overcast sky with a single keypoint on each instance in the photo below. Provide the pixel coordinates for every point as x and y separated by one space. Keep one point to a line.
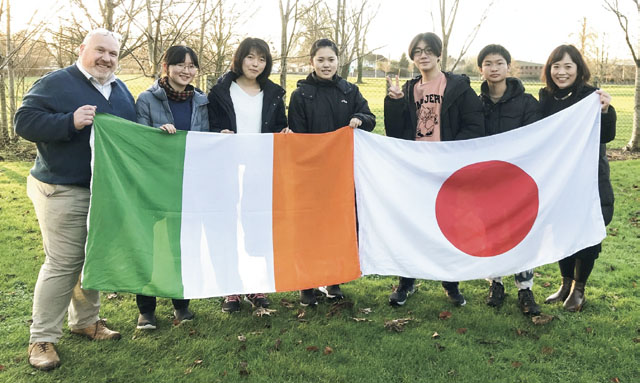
529 29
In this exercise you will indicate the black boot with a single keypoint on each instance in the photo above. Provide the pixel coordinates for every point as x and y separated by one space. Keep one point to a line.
562 293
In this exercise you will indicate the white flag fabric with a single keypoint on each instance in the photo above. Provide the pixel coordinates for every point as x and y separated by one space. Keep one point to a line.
478 208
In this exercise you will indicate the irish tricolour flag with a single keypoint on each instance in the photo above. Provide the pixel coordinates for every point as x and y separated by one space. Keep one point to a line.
201 214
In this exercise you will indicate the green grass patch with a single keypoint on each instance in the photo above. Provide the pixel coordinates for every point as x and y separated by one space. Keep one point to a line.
476 344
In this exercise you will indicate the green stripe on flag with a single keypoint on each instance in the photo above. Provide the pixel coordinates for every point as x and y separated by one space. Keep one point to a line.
133 242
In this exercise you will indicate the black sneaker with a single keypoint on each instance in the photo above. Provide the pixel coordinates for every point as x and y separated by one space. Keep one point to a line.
455 297
147 321
496 294
257 300
399 296
527 302
332 292
231 304
182 315
308 298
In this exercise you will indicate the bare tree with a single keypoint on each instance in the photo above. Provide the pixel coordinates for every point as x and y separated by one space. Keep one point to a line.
447 19
634 47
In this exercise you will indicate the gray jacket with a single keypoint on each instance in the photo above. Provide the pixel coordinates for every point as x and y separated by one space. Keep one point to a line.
152 109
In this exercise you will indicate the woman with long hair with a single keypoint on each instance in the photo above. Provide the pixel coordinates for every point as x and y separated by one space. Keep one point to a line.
244 100
172 104
566 75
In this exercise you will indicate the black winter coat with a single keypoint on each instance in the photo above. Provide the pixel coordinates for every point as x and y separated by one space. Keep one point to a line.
320 106
222 115
461 114
515 109
549 105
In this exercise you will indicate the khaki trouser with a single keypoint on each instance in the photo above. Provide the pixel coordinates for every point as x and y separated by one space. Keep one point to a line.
62 215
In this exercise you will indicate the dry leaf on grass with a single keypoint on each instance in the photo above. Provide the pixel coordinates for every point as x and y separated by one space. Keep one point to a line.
327 350
396 325
444 315
365 311
461 330
312 348
112 296
541 319
286 303
261 311
516 364
589 330
547 350
301 313
361 319
337 308
255 333
615 380
435 335
546 284
242 338
636 340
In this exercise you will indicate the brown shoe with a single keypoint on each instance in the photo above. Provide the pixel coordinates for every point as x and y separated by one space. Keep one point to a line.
562 293
97 331
576 300
43 356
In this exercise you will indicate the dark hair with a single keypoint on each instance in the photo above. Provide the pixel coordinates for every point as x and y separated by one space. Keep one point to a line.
177 53
431 39
322 43
583 75
244 49
494 49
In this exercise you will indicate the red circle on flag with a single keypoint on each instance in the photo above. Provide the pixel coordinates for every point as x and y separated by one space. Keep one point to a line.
486 209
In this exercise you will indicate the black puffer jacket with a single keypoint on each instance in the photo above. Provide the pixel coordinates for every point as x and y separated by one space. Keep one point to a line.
550 105
320 106
460 115
222 115
515 109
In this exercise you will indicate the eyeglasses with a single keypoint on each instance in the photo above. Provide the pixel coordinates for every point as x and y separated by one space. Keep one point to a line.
189 67
420 51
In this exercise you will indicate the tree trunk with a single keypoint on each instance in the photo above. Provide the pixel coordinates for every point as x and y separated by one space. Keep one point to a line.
10 75
4 135
360 60
633 144
283 53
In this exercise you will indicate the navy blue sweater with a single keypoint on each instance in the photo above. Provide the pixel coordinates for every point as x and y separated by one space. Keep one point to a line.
46 118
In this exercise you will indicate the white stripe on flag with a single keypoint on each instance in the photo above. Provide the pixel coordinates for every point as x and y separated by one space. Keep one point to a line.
226 232
397 182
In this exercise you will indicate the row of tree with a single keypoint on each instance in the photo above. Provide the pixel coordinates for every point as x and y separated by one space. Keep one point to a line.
212 28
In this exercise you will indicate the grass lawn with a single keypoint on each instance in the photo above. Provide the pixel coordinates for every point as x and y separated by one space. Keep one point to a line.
325 344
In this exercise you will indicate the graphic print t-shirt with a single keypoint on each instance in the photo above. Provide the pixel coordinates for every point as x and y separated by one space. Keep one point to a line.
428 97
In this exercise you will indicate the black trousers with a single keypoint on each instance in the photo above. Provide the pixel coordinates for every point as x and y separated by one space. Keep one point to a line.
148 304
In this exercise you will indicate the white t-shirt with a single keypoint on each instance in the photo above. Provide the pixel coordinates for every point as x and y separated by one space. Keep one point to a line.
248 109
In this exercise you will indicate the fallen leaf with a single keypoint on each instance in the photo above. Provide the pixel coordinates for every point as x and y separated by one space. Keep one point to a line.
188 371
312 348
365 311
301 313
255 333
435 335
452 372
192 332
261 311
112 296
336 308
491 359
589 330
286 303
327 350
546 284
277 344
521 332
299 341
444 315
197 362
396 325
176 322
461 330
242 338
243 369
516 364
634 285
541 319
615 380
361 319
1 367
636 340
537 274
439 347
547 350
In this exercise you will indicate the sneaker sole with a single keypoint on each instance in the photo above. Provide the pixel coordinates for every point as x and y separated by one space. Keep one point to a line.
146 327
396 303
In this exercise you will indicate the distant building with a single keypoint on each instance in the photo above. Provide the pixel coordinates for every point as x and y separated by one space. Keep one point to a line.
529 70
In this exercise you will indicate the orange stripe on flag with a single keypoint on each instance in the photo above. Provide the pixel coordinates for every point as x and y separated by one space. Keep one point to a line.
314 222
